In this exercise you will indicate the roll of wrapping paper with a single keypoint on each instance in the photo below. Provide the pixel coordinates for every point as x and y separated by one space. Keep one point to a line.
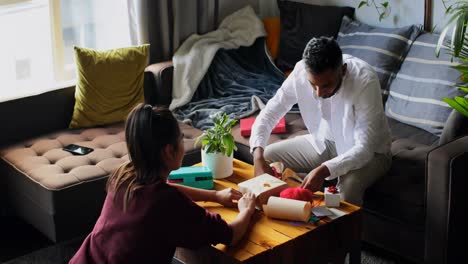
287 209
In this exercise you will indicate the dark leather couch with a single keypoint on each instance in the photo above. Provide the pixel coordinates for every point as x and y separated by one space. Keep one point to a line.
416 209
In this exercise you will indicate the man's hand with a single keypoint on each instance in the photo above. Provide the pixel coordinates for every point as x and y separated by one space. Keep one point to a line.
226 197
314 180
260 164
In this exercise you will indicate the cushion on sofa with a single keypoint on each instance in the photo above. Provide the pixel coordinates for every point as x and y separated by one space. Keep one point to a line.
300 22
110 84
401 130
400 193
415 95
383 48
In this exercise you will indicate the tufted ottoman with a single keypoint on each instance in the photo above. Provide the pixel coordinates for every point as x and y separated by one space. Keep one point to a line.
61 194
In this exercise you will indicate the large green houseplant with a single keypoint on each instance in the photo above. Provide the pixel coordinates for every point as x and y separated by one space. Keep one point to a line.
218 146
458 47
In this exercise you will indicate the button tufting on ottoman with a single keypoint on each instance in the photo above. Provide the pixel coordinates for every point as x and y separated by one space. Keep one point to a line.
62 194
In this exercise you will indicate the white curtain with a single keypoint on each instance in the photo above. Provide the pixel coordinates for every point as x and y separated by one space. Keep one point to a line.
137 17
268 8
165 24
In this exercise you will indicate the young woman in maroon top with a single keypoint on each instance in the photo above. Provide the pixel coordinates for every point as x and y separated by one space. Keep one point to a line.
143 218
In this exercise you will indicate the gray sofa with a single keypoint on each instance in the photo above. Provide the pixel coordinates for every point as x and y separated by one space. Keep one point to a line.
415 210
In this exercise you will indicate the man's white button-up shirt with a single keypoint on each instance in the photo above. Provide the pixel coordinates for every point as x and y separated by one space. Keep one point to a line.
356 120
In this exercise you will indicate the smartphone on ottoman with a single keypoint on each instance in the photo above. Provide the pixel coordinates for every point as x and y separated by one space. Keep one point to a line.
77 149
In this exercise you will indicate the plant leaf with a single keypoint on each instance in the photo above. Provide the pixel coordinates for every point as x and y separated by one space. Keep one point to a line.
224 119
228 141
456 106
197 140
441 40
448 10
458 36
463 68
462 101
463 88
382 16
463 58
209 148
362 3
385 4
232 123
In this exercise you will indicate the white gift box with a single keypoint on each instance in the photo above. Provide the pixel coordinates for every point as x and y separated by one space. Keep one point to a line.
263 186
332 199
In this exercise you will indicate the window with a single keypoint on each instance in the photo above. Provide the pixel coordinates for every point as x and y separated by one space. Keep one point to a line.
38 36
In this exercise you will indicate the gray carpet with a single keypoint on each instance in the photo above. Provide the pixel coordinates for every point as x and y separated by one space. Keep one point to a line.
62 252
58 253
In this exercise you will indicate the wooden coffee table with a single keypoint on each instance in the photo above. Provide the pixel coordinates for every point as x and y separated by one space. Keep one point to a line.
279 241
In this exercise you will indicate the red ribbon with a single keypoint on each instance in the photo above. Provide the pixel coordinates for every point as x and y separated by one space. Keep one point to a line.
275 172
332 189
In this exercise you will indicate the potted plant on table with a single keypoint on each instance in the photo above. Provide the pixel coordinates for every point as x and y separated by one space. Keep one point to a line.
218 146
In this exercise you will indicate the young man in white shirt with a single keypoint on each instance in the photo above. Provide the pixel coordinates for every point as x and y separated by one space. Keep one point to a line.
340 102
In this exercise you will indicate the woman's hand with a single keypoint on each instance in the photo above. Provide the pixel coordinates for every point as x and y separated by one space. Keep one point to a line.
226 197
247 203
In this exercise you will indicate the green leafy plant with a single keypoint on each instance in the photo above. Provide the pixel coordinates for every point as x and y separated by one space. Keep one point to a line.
383 9
458 48
219 139
458 19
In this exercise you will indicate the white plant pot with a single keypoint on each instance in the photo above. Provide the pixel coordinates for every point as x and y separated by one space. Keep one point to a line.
219 164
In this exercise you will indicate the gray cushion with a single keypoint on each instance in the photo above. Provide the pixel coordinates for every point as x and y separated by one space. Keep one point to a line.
300 22
416 92
383 48
400 193
404 131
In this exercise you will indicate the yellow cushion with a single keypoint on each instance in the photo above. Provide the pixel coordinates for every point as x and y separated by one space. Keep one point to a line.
110 84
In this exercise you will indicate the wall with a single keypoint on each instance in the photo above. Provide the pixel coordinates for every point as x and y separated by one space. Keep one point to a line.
438 13
403 12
